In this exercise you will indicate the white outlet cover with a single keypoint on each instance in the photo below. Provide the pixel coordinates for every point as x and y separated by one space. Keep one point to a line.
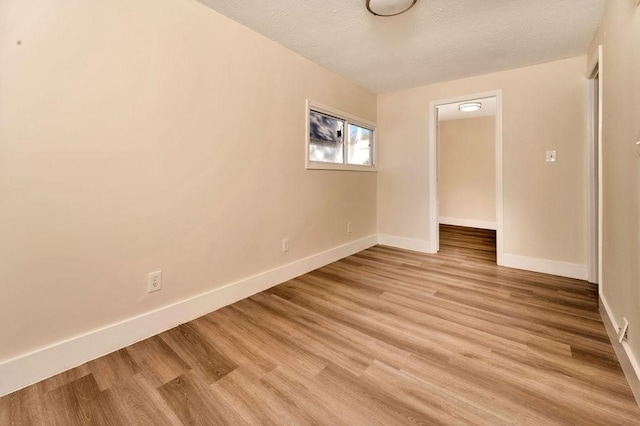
154 281
623 330
552 156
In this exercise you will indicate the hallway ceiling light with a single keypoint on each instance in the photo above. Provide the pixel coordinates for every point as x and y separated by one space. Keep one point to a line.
389 7
469 106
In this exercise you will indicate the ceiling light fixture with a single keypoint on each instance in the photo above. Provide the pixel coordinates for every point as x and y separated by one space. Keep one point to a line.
469 106
389 7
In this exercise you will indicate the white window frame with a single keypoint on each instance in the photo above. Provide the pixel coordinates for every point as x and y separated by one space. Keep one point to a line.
348 119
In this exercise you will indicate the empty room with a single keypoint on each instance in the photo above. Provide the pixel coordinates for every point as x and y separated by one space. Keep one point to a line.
319 212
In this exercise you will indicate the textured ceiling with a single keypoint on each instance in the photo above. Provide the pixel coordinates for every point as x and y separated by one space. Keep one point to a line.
436 40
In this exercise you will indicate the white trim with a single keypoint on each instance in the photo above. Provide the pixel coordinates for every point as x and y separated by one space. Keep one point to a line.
319 165
546 266
434 234
600 171
626 357
499 182
470 223
594 226
42 363
405 243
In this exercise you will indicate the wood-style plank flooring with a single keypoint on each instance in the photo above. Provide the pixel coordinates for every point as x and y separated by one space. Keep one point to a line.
385 336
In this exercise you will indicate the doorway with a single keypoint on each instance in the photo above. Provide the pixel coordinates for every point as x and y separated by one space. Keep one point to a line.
437 108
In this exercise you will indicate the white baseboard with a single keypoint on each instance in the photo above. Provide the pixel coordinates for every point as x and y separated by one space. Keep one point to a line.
470 223
405 243
40 364
562 269
627 358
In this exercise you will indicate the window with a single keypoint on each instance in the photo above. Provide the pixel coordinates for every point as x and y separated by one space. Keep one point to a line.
338 141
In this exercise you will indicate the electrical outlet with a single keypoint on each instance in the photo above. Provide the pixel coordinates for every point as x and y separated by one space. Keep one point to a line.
285 245
622 333
349 227
154 281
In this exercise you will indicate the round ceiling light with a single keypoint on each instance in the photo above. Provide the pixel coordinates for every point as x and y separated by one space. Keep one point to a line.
389 7
469 106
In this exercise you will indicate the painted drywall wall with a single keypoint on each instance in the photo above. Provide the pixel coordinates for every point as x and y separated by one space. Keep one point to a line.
467 169
154 135
544 204
619 36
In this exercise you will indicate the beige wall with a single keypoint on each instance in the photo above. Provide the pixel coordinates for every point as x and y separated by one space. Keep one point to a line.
544 204
620 37
154 135
467 169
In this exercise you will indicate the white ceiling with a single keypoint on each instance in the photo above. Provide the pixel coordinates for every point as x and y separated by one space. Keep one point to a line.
451 112
436 40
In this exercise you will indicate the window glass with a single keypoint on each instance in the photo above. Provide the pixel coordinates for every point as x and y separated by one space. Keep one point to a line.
326 138
359 147
339 141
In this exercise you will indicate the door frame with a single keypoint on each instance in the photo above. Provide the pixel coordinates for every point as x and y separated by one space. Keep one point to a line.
434 233
594 142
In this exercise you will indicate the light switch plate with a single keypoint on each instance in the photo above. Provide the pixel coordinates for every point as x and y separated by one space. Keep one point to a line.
552 156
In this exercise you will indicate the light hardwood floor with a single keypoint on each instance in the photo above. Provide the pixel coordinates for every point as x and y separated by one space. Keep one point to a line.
385 336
